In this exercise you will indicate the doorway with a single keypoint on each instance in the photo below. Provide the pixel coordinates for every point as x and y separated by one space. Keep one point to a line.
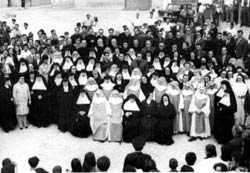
23 3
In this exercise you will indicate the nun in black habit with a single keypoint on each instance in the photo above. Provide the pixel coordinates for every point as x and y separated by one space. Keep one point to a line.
65 100
7 107
40 107
164 125
80 123
132 118
225 108
54 86
148 122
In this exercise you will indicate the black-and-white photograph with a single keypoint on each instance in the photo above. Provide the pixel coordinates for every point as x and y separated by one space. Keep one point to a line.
124 86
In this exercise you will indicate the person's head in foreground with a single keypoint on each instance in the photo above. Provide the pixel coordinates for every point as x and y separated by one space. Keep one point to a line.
89 162
33 162
76 165
138 143
190 158
210 151
103 163
173 164
220 167
57 169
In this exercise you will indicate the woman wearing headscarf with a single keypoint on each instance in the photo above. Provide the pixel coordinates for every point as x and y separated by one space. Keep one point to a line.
164 120
55 67
80 65
99 114
7 107
80 125
131 118
169 75
73 83
107 86
91 64
240 90
39 107
97 76
226 106
200 110
22 68
65 97
82 78
134 85
160 89
146 86
67 63
120 83
115 120
148 122
91 87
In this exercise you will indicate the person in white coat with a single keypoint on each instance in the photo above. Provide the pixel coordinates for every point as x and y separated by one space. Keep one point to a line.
22 100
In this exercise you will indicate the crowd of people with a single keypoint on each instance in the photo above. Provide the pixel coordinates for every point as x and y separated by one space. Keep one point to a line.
232 158
154 81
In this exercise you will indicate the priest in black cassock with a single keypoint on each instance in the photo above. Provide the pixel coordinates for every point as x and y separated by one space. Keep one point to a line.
131 118
80 123
7 107
39 107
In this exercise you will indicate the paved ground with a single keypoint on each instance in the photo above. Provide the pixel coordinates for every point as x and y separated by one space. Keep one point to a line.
54 147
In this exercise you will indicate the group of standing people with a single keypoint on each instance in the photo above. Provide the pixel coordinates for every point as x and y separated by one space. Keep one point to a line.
193 80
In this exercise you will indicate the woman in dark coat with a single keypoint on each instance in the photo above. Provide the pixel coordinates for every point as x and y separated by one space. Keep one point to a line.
80 126
132 118
148 122
65 97
146 86
7 107
40 107
224 113
165 115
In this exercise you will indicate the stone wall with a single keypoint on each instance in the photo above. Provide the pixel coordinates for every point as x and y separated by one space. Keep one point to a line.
28 3
138 4
112 4
40 2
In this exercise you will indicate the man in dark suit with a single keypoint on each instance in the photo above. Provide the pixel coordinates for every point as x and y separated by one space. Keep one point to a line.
241 46
137 159
199 40
140 63
224 58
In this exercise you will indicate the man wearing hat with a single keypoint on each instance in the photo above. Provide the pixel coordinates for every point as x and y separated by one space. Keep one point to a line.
137 158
